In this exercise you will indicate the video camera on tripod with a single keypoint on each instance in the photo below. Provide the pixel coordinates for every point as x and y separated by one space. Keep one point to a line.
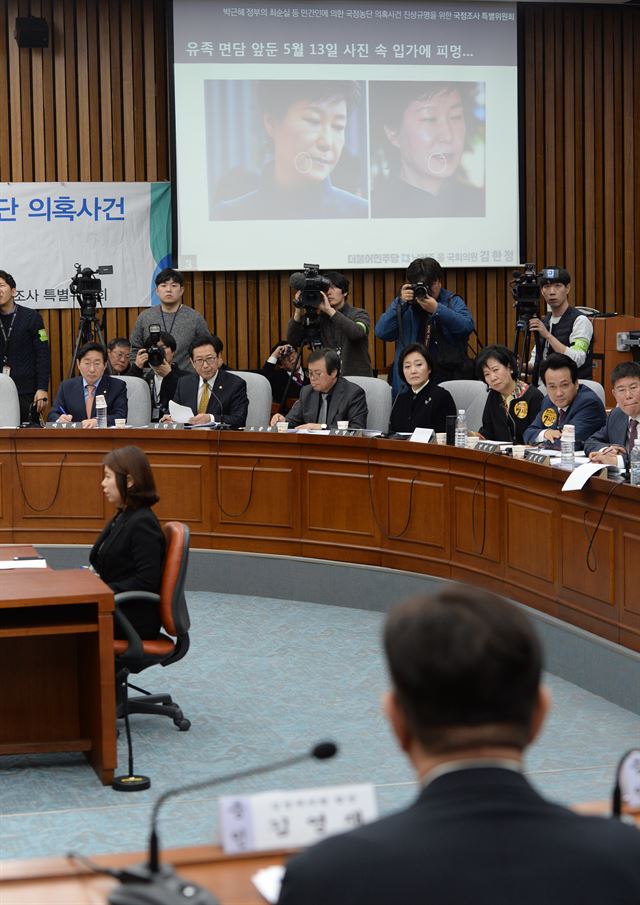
87 291
525 290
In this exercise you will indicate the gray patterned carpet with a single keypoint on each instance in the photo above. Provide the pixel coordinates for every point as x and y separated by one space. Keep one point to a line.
265 679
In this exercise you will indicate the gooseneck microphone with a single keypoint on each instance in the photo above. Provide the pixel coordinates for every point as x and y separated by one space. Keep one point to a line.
153 884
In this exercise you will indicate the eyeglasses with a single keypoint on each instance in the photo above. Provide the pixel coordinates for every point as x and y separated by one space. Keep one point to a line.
632 389
209 360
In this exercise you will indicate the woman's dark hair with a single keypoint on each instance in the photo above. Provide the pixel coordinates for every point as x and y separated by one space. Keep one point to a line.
501 354
130 461
275 96
415 347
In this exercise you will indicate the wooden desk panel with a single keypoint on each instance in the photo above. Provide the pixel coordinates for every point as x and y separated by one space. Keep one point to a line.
442 511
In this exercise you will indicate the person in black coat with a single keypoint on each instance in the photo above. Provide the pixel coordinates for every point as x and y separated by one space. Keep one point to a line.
424 404
278 367
465 702
129 553
154 364
511 405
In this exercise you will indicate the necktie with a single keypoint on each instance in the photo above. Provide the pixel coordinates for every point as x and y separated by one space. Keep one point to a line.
204 399
322 414
89 400
561 416
632 434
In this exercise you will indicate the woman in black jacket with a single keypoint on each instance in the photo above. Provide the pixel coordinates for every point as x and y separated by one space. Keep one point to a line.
424 404
129 554
512 405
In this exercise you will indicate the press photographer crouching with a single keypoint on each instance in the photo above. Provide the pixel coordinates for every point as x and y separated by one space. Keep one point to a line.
154 363
285 377
323 317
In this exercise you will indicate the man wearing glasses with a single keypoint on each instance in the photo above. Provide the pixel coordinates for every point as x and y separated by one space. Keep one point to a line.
612 444
216 395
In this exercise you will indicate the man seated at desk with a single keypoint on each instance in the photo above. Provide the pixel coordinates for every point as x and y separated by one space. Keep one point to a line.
154 364
76 398
215 394
464 704
612 444
329 398
567 402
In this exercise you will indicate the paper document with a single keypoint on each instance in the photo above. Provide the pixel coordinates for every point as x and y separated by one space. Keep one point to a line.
23 564
268 882
579 477
180 413
315 433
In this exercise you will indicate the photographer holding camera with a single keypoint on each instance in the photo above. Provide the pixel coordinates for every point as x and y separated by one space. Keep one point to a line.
425 312
154 363
285 379
339 325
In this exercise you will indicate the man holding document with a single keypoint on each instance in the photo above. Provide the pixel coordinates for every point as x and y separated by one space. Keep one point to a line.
214 394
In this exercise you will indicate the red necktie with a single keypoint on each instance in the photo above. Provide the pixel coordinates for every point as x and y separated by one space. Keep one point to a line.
632 434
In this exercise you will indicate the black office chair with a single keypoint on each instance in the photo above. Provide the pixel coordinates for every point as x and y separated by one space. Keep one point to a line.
134 654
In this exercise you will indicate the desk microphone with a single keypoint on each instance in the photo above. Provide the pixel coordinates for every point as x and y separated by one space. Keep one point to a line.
153 884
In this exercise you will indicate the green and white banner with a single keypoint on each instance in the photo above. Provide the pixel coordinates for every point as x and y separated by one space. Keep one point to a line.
46 228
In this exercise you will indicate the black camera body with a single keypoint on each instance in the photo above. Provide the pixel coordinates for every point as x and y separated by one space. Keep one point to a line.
156 356
86 288
311 284
526 293
421 290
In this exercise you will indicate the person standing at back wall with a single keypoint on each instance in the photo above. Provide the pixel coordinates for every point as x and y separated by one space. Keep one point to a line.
170 316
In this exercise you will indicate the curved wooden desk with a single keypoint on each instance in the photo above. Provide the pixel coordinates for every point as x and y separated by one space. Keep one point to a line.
436 510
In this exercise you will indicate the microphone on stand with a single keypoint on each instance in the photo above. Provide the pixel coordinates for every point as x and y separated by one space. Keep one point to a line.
156 884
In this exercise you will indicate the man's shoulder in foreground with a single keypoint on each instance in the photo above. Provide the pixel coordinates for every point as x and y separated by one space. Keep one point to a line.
474 838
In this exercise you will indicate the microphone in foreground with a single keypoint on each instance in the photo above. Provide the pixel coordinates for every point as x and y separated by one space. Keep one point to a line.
153 884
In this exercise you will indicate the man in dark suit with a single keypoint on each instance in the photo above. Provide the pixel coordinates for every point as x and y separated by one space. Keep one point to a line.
76 399
155 364
612 444
285 379
213 393
567 402
465 702
329 398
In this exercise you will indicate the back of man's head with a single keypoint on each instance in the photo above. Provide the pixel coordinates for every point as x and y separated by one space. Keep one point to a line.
465 667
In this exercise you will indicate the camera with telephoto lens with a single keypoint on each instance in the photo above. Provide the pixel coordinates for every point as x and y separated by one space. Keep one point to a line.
156 356
311 284
525 290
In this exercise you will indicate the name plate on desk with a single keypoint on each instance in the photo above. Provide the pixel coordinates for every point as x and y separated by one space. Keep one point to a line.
540 458
486 446
293 819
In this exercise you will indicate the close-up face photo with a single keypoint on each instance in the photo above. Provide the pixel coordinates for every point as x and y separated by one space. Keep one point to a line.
497 376
415 369
430 138
308 140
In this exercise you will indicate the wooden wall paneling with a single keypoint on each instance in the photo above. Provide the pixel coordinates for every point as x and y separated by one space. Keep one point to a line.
106 90
149 169
128 118
627 188
116 151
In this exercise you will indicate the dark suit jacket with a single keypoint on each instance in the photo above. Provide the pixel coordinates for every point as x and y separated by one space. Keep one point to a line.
227 403
614 433
586 413
473 837
278 378
428 408
348 402
71 398
128 556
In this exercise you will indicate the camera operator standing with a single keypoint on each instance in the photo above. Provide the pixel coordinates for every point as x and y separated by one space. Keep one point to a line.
154 363
564 329
425 312
341 327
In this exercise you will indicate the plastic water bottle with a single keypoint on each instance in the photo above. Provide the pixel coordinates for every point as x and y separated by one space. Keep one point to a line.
634 468
101 411
461 428
568 446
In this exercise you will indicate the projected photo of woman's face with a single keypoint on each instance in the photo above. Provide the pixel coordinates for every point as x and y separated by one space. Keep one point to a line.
286 149
427 149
